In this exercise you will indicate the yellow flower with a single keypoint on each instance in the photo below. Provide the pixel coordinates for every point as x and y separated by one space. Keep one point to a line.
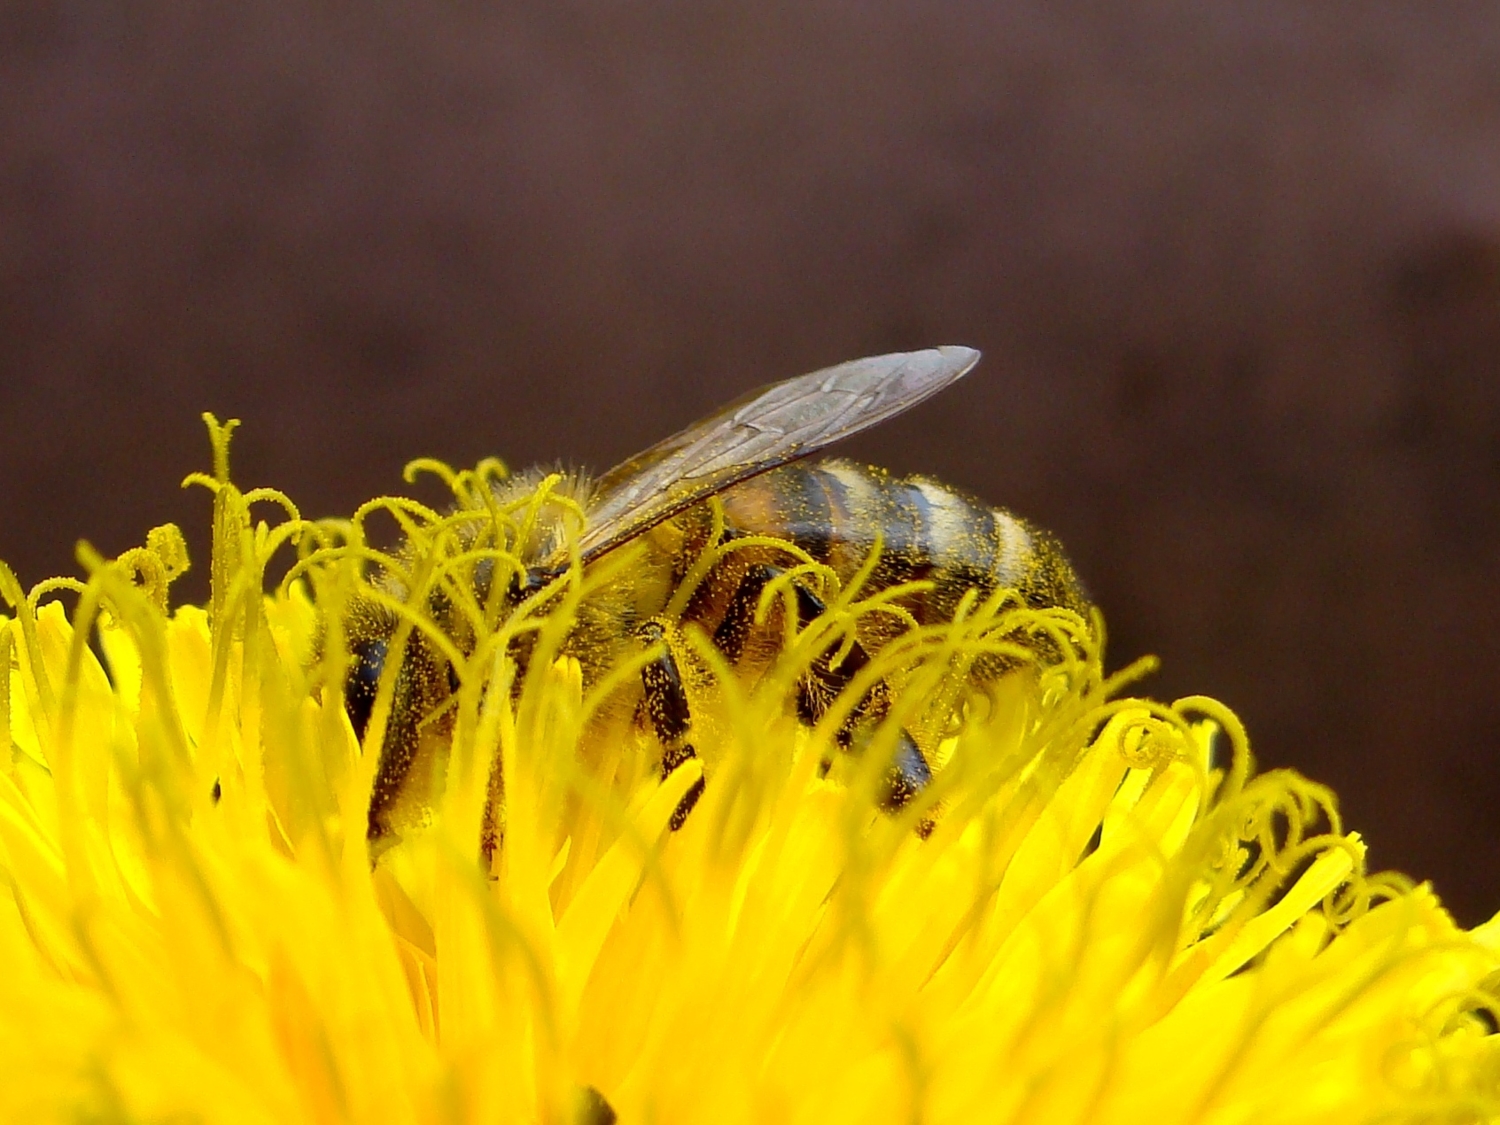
1112 919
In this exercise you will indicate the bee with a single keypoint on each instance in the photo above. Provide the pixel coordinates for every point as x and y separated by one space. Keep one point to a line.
739 473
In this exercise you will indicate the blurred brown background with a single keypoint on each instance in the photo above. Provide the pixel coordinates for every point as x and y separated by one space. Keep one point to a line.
1235 268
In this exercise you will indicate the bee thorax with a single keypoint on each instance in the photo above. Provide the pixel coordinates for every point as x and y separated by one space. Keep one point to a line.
544 526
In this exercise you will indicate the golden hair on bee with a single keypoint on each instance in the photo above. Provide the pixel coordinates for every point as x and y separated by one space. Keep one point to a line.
545 501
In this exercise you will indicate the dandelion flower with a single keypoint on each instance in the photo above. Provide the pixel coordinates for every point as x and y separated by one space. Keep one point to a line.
1112 917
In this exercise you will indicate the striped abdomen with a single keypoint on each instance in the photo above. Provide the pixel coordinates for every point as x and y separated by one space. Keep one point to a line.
928 530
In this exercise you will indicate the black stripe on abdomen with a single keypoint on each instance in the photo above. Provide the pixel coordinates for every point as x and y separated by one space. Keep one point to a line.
958 546
805 507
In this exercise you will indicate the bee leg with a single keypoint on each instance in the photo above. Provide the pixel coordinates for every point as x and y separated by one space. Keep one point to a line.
816 691
909 772
666 704
364 680
404 769
739 616
908 775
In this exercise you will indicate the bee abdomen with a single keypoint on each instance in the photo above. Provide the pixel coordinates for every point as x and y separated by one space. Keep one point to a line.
927 531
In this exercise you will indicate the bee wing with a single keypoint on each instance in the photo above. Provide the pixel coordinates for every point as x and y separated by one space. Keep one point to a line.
766 428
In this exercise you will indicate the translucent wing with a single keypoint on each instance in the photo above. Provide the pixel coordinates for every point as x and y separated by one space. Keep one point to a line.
766 428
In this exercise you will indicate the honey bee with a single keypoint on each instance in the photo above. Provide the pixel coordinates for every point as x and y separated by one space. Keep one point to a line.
737 474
